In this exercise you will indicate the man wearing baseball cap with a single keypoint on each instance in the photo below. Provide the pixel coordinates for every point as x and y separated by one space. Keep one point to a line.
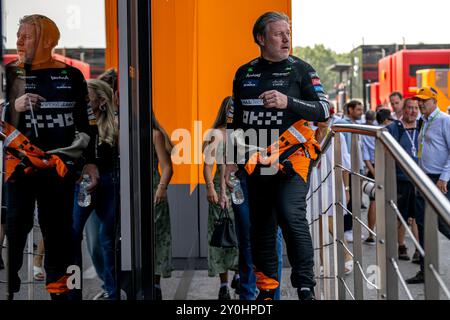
434 159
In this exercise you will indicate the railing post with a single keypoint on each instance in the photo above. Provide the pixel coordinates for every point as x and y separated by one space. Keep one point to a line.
380 199
386 190
356 213
339 221
380 225
30 263
333 219
315 214
325 232
391 224
431 253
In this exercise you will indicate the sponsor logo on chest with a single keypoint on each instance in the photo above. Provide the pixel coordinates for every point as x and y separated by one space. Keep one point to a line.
58 78
280 83
253 75
251 83
281 74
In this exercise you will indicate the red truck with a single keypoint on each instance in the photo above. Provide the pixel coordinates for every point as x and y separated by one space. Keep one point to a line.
80 65
398 72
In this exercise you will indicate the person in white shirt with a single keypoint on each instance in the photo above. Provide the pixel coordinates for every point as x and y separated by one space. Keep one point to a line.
434 159
396 100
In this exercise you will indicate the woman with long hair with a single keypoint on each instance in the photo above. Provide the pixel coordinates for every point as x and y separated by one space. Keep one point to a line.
103 198
162 149
220 260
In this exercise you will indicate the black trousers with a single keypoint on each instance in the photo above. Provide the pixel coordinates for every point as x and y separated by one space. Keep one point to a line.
443 227
53 196
281 200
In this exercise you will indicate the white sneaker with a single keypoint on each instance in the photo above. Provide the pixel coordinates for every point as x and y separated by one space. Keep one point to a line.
101 296
348 236
348 267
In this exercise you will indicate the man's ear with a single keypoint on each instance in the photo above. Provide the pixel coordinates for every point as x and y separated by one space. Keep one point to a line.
261 40
48 44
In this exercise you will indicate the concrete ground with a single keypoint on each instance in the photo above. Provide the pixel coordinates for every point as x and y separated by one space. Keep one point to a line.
196 285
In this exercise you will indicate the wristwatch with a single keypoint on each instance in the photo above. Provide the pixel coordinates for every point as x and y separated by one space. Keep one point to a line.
347 188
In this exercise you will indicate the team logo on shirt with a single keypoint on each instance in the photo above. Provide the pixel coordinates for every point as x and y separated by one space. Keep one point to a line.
250 83
57 105
304 103
281 74
30 86
253 75
27 78
56 78
64 87
280 83
322 96
319 89
252 102
230 114
91 116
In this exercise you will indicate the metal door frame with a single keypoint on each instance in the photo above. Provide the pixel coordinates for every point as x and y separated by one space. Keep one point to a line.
137 227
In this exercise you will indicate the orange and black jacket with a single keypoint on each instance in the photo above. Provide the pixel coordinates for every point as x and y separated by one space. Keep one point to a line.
306 102
64 111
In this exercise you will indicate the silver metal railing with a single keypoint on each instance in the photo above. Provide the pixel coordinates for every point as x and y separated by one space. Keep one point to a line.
330 246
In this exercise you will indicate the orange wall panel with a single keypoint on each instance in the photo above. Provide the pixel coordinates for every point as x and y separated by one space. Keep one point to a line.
197 47
112 42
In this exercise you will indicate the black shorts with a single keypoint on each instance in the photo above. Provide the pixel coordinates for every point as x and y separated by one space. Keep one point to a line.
370 175
406 199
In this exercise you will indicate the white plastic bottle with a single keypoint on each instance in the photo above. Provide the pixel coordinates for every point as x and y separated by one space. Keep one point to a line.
237 196
84 197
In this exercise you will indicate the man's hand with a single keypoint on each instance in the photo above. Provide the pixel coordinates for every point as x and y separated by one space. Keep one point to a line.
229 168
442 185
23 103
92 171
274 99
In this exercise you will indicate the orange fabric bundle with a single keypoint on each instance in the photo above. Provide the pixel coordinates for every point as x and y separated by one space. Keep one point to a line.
58 287
263 282
20 151
300 133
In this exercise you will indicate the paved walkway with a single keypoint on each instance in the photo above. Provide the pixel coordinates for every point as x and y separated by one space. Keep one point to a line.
196 285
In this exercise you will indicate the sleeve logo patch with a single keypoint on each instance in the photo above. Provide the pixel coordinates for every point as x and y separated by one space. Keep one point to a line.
316 82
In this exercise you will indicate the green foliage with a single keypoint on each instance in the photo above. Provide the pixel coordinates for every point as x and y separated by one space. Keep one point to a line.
320 58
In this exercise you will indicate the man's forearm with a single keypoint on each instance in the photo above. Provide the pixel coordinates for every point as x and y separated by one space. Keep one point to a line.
309 110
